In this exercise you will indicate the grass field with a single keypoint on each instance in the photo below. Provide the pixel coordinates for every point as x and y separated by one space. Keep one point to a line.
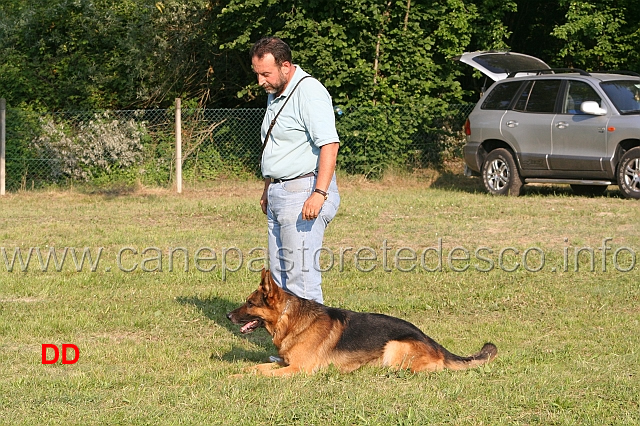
155 346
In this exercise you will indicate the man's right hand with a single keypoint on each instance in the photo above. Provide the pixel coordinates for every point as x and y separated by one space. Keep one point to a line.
263 200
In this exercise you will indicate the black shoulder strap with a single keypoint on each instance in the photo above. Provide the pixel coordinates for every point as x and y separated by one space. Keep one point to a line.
273 122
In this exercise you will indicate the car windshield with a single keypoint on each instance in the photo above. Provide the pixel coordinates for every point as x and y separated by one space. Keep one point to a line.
625 95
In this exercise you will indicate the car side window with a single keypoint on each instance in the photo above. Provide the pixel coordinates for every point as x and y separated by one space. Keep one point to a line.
539 96
577 93
500 97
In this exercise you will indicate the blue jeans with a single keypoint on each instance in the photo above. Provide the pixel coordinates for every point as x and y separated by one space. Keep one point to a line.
295 244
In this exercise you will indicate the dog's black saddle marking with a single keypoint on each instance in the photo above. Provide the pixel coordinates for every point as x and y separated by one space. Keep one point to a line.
371 332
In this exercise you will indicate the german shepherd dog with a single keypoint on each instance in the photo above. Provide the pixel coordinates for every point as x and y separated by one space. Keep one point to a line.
310 336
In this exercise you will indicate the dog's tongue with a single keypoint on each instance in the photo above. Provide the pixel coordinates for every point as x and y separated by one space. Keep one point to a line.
249 327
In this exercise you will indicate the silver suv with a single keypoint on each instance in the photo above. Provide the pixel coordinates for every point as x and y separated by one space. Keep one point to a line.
536 124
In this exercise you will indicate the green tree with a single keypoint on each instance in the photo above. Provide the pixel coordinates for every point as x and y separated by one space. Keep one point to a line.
70 54
600 34
364 51
490 29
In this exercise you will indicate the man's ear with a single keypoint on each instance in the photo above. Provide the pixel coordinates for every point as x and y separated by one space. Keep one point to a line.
285 68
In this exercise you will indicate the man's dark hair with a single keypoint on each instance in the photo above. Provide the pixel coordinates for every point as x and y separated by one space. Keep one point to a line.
278 48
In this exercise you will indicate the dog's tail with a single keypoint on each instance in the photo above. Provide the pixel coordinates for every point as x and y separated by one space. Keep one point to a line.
486 354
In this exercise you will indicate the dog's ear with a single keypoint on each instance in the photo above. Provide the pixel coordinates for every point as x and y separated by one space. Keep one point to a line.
268 286
266 282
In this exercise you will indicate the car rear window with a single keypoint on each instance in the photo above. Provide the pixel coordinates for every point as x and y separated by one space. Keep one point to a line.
539 96
500 97
501 62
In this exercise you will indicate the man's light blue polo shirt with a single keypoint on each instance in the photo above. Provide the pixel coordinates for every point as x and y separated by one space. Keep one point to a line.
306 123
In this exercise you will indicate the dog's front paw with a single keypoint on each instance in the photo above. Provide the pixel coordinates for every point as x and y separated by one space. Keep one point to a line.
264 368
256 369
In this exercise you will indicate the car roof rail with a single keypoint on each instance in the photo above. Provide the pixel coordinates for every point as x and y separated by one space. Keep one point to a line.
621 72
549 70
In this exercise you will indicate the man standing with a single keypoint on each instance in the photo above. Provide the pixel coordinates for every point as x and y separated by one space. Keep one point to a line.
298 163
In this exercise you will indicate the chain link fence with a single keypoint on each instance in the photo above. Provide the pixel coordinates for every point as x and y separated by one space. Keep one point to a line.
107 147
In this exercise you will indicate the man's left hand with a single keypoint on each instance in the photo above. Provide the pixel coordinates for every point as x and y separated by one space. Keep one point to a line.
313 205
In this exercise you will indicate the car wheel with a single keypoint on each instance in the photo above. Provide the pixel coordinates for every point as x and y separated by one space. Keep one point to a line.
629 173
500 174
589 190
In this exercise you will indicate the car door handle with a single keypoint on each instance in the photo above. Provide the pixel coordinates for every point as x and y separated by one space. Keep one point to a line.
512 123
562 124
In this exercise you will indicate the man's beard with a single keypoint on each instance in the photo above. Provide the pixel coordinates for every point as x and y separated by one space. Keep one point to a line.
278 87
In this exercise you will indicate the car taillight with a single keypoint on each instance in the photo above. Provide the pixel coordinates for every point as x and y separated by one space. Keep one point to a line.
467 127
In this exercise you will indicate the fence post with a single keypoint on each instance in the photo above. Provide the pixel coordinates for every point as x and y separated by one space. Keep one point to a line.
3 134
178 147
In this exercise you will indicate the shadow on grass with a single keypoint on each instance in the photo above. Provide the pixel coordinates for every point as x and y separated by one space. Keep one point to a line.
108 190
453 181
566 191
216 309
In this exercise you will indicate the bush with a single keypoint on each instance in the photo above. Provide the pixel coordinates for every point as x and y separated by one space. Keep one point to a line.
91 149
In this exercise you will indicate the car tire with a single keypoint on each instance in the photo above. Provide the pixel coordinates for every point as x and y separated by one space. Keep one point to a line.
589 190
629 173
500 175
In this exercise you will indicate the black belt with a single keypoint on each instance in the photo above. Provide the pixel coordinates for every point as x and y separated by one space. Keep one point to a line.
273 180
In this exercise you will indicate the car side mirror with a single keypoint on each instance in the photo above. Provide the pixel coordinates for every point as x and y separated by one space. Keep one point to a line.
593 108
